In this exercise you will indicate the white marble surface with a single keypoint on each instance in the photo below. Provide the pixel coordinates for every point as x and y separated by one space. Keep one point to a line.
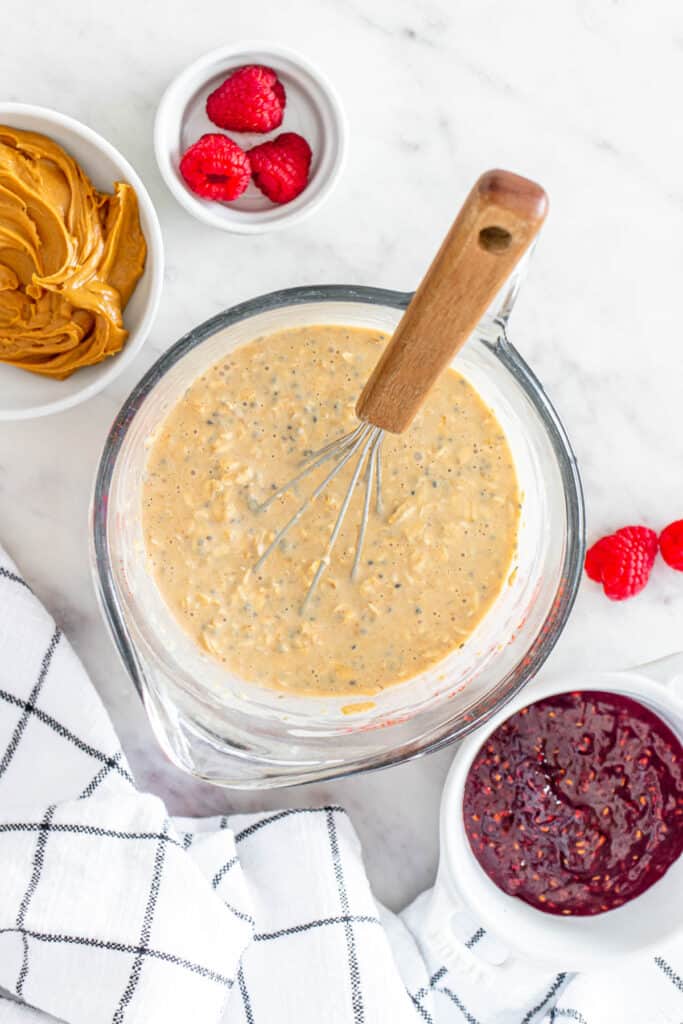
585 97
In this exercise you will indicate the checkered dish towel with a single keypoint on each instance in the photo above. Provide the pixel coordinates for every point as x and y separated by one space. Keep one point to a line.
112 912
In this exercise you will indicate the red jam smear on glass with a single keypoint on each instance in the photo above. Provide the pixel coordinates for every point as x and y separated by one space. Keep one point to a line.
575 803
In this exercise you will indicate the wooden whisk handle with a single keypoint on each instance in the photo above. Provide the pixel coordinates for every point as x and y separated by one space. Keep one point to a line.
500 219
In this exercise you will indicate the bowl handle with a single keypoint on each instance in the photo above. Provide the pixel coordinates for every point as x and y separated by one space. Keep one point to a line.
667 671
447 949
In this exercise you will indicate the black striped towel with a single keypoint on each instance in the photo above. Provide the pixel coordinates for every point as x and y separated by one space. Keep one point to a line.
112 912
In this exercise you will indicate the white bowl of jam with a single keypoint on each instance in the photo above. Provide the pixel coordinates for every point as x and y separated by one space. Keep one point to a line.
562 824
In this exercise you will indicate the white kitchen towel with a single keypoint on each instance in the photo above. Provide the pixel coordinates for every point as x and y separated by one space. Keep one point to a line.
112 912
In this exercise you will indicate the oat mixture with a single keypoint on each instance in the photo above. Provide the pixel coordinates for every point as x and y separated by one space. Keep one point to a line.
433 563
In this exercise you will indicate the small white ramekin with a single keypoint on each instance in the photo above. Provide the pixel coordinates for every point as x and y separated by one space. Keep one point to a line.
26 395
528 934
312 109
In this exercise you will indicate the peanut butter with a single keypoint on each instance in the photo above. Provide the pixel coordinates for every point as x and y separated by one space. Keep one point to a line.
70 258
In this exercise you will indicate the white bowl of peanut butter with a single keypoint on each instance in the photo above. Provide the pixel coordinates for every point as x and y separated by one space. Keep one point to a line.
81 262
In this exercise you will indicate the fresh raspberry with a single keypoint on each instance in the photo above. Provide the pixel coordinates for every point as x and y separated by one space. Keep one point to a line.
622 561
281 167
251 99
216 168
671 544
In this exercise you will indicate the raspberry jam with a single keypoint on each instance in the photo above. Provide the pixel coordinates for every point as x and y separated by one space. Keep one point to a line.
575 803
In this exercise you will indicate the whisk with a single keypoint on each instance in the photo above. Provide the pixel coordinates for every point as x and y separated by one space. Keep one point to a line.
495 227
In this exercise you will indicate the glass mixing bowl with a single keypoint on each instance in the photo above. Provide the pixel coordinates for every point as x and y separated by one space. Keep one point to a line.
229 732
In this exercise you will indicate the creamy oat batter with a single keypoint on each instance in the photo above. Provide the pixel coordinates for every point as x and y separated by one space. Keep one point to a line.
432 564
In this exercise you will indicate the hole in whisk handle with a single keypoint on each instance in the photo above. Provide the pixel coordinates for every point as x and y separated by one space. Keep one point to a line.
494 239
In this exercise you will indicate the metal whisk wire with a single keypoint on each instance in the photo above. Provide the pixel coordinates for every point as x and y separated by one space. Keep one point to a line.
365 442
